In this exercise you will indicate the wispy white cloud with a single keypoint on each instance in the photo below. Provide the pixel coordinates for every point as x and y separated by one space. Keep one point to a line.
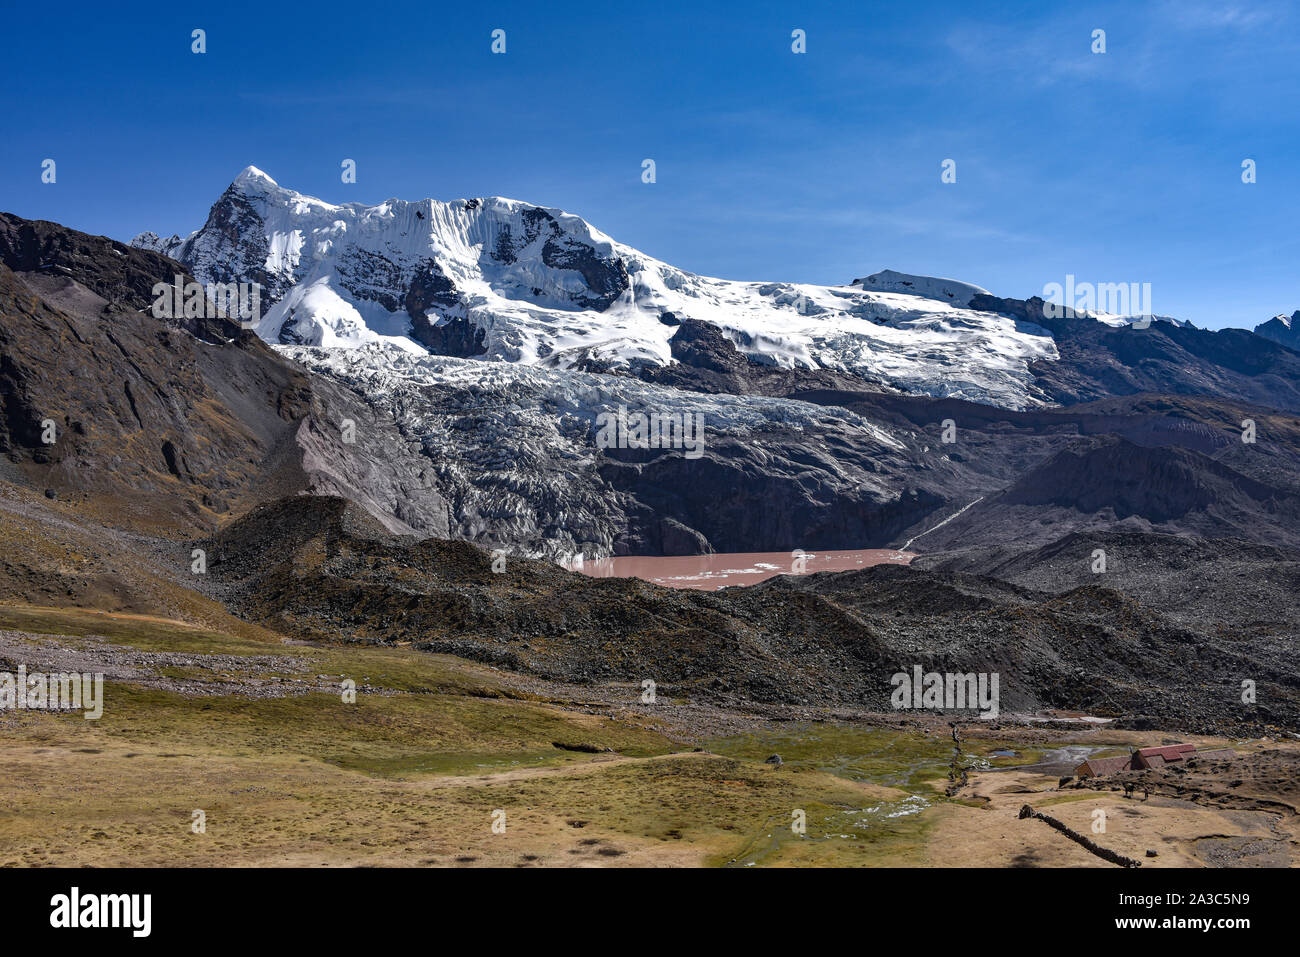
1053 52
1208 15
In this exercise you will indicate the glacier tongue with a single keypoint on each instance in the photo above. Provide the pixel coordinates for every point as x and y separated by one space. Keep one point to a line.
504 280
512 451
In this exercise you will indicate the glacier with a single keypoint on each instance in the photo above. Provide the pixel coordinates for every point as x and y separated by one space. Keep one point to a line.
500 280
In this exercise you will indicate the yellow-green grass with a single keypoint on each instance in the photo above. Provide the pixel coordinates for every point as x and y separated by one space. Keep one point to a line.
97 806
910 760
412 775
408 776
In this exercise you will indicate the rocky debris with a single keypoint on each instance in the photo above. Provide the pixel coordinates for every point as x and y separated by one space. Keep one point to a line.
248 676
1105 482
1243 595
1115 442
773 759
323 569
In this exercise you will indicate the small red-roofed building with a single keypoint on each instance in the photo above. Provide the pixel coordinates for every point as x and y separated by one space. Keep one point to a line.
1148 758
1159 757
1097 767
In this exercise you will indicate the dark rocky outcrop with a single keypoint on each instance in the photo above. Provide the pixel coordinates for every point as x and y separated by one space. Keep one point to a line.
232 223
707 361
1284 330
169 416
449 337
1099 360
430 288
606 277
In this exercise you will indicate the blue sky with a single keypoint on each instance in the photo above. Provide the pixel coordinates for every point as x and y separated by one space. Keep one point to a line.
821 167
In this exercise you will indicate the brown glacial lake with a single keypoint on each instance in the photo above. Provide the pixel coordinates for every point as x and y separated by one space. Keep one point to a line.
710 572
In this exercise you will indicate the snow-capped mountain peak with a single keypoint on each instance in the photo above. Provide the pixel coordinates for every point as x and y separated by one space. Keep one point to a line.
1282 329
501 279
252 177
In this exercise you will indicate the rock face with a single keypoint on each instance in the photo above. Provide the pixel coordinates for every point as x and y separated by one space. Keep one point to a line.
175 419
1284 330
1099 360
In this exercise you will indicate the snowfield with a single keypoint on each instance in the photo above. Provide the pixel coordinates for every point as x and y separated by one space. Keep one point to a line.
535 286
